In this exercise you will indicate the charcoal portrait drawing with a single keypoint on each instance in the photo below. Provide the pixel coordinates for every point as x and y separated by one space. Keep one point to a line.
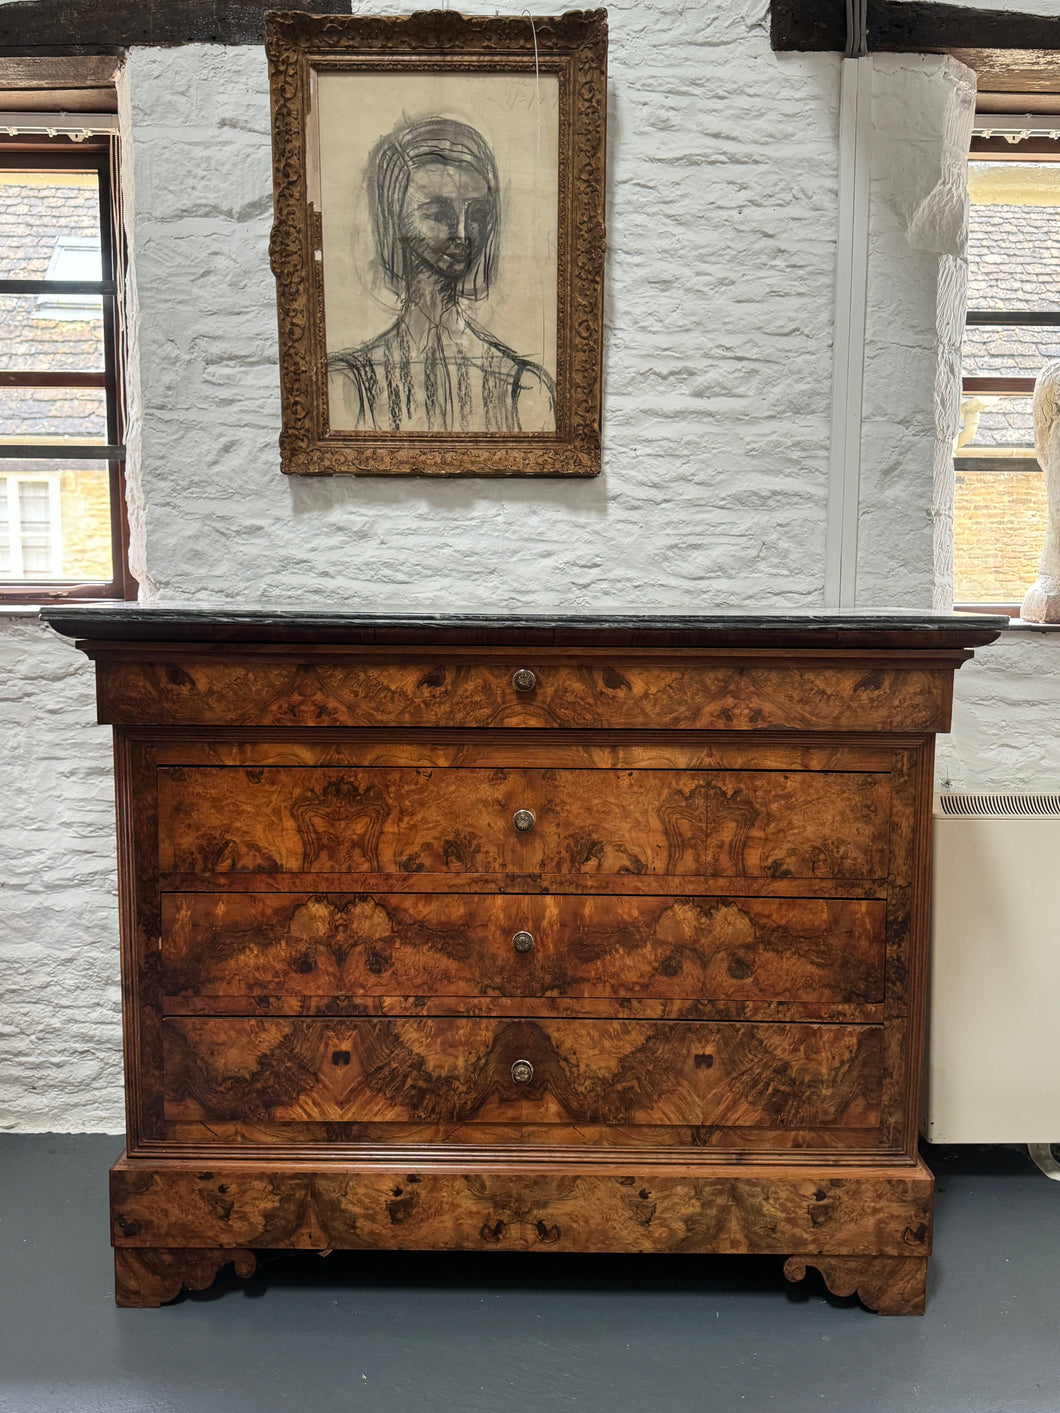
433 197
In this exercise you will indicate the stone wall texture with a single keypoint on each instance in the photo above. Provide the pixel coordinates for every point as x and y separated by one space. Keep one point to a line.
717 358
60 1055
720 287
1004 733
922 110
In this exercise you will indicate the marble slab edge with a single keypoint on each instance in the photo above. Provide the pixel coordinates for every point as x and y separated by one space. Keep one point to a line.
198 624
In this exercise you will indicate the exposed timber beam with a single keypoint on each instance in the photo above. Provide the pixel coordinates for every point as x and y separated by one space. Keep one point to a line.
1010 51
76 27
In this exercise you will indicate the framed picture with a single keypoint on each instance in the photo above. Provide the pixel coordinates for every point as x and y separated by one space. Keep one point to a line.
438 244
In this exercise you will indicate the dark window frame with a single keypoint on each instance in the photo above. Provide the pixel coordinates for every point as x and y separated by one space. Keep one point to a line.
97 154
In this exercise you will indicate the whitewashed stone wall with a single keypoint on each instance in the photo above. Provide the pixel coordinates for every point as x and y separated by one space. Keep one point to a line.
922 109
1006 705
717 372
722 220
60 1056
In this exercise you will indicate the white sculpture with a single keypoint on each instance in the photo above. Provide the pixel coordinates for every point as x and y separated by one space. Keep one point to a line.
1041 604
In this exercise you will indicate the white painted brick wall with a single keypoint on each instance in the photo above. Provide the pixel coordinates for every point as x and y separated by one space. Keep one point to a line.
60 1056
917 131
722 218
717 372
1006 703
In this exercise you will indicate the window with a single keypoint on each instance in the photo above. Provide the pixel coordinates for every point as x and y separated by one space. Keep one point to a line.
1013 328
30 528
62 524
74 258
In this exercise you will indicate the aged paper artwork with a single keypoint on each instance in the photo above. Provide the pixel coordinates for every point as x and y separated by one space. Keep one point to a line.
439 245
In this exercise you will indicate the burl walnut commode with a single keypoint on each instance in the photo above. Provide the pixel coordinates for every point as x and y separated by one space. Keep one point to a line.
523 933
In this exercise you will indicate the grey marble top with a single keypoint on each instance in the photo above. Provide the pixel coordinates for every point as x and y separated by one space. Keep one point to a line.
157 623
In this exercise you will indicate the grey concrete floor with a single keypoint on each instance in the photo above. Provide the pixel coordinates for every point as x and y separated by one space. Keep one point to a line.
501 1334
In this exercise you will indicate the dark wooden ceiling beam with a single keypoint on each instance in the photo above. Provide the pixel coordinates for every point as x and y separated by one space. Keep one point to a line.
808 25
76 27
911 26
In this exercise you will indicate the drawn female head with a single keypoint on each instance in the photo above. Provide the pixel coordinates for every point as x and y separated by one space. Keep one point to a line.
435 204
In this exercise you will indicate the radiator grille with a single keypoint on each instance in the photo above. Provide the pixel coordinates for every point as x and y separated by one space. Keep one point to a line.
998 806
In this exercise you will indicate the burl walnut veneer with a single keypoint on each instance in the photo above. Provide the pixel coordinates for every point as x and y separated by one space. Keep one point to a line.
513 933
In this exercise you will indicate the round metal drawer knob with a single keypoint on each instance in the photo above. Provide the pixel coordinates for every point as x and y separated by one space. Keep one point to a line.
524 680
522 1071
523 941
523 820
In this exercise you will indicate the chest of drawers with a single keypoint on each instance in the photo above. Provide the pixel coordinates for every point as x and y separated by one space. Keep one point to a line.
547 935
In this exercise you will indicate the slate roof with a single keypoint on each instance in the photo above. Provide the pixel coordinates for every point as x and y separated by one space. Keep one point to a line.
32 219
1013 263
1013 257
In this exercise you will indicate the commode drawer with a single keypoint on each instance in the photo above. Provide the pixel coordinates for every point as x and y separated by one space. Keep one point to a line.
620 692
772 824
466 1071
316 951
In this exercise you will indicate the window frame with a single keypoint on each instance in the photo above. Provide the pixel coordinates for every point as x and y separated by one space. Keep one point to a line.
96 153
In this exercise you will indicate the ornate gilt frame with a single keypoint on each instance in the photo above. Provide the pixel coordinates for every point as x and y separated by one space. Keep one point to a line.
574 47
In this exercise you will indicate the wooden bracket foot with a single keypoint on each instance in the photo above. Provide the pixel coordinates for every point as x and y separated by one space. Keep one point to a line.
150 1275
891 1285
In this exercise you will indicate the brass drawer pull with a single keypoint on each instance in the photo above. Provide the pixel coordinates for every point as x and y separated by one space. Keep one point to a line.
522 1071
523 820
524 680
523 942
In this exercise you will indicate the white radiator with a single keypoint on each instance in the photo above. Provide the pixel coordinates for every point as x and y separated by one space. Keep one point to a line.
993 1057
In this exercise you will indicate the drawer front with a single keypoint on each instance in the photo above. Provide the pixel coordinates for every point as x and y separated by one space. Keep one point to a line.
323 946
622 693
777 824
727 1074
